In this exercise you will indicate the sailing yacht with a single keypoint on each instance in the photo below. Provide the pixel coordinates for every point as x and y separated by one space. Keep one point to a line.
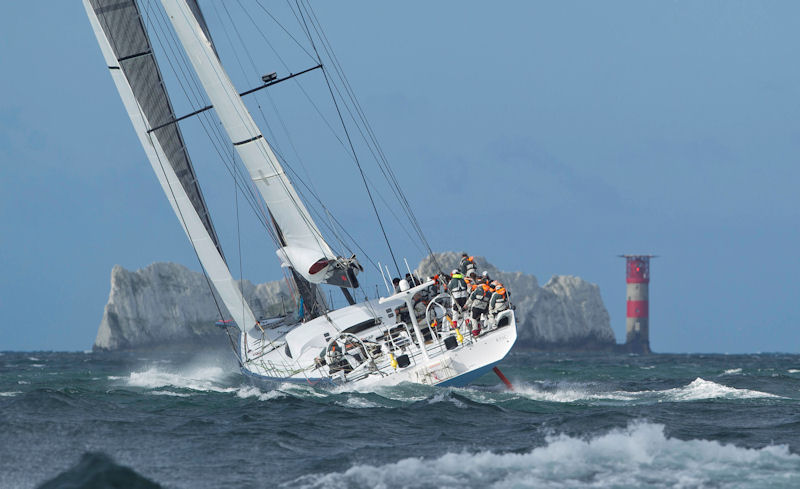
415 333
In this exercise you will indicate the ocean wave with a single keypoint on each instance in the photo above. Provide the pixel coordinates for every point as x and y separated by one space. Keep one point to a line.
254 392
568 392
639 456
169 393
732 371
10 393
706 389
446 396
699 389
203 379
358 403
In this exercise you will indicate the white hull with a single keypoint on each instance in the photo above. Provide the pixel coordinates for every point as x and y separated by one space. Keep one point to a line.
380 354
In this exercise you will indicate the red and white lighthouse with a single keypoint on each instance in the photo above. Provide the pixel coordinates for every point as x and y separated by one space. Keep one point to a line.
637 323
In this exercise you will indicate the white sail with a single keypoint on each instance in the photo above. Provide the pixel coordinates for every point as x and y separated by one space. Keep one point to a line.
305 249
198 233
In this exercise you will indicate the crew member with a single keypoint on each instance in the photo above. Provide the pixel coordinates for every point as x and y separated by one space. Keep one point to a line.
496 284
472 281
458 289
478 304
467 265
499 301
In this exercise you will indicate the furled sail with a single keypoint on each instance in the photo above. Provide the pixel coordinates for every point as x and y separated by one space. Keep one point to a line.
127 51
305 249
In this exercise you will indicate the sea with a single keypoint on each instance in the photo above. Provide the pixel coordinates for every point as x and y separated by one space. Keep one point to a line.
191 420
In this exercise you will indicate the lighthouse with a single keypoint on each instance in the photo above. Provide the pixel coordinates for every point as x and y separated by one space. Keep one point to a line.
637 322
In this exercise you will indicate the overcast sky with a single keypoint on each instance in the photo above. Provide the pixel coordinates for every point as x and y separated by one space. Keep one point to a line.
548 136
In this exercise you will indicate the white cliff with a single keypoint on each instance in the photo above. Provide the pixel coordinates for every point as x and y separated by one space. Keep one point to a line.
166 303
567 312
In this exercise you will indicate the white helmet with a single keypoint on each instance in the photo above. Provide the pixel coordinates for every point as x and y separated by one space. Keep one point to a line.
454 272
485 274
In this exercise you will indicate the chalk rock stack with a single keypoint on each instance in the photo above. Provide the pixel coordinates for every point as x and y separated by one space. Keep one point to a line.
168 305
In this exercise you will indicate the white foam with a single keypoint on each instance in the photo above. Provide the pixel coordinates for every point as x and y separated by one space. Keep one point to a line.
10 393
793 370
358 402
444 396
706 389
23 382
698 389
206 379
250 391
638 456
169 393
572 392
732 371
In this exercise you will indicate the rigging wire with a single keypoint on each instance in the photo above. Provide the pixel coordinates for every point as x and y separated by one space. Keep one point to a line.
335 134
352 148
241 182
271 160
197 100
392 177
330 127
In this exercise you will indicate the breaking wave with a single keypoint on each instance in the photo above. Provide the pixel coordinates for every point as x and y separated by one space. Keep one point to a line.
705 389
699 389
639 456
208 379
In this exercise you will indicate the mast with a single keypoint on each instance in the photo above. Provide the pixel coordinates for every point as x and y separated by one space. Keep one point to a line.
304 248
127 51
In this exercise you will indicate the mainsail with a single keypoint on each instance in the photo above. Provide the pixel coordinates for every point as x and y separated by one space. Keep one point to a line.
127 50
124 30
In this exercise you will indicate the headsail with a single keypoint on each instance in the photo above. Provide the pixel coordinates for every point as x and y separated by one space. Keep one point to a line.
305 249
126 48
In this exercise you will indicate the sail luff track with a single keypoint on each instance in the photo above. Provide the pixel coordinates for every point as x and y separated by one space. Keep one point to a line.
178 183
